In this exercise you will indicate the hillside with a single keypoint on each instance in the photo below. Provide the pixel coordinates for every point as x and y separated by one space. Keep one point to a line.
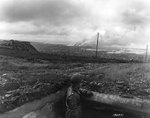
57 49
55 53
19 49
17 46
78 52
22 81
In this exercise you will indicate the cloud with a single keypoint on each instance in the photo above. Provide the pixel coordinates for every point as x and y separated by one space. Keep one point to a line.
45 17
137 14
49 11
119 22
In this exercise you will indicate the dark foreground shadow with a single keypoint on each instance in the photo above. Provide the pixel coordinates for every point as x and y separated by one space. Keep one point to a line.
97 110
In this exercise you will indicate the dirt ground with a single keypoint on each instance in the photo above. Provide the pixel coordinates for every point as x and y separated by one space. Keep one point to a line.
20 78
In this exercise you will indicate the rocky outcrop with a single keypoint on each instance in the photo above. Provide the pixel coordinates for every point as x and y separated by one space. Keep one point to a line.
18 46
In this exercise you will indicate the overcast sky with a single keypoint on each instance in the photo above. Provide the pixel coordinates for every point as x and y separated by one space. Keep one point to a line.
123 23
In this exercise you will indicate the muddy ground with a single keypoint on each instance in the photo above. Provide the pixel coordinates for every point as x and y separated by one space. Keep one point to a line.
22 81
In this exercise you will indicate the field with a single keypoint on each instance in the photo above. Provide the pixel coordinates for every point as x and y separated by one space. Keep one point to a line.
22 80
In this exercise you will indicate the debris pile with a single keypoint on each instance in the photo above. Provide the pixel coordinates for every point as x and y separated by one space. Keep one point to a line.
19 93
126 89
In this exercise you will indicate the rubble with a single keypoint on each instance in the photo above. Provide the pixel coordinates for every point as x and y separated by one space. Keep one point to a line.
12 98
123 88
2 81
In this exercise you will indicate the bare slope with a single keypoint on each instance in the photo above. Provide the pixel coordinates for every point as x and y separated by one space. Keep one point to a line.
17 49
18 46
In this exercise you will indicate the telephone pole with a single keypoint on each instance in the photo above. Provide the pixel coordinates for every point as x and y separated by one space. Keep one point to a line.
146 53
97 44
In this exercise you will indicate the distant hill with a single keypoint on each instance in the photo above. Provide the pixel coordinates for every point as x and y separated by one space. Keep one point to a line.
57 49
18 46
39 51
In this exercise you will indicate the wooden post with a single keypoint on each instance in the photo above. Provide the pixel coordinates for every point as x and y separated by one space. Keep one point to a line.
146 53
97 43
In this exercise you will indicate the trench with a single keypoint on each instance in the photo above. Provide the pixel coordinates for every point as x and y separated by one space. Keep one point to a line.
91 109
98 106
